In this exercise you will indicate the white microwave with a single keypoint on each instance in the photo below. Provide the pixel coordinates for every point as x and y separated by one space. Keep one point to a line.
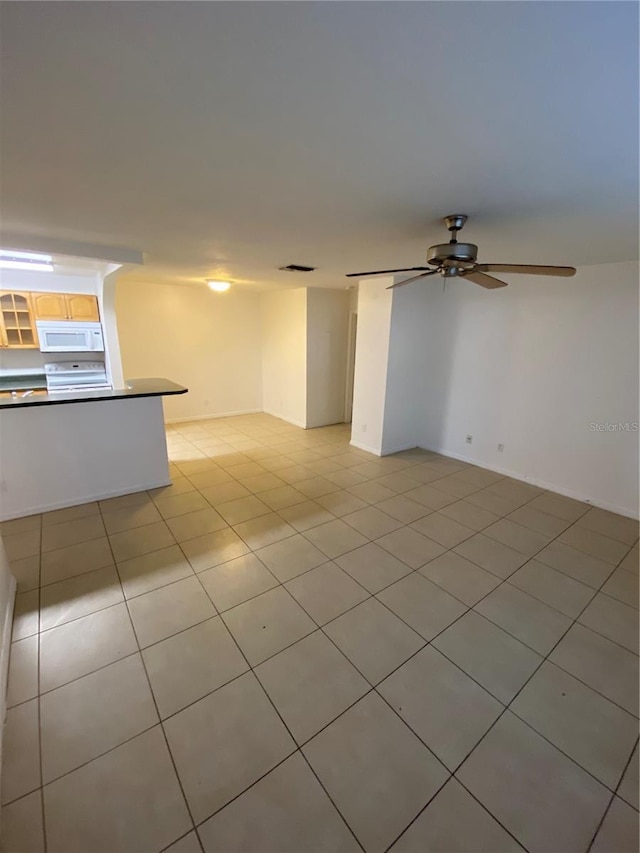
65 336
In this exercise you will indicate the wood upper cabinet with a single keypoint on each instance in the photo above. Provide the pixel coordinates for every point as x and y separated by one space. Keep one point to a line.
19 311
81 307
17 323
49 306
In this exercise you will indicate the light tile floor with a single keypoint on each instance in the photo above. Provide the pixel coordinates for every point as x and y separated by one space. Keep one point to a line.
300 647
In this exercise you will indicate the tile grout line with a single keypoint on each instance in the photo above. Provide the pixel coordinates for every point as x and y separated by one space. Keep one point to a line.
611 801
217 614
372 690
182 838
276 709
504 707
545 657
507 708
329 559
332 560
150 688
278 583
66 773
244 673
595 591
298 748
40 768
498 479
626 767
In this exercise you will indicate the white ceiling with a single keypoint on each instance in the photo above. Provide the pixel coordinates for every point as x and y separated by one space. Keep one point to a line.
227 139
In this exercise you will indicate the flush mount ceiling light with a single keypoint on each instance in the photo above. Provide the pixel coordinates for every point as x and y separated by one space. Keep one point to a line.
34 261
219 286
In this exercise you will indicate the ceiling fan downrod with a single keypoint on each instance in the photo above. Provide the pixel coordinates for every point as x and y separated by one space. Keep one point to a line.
454 223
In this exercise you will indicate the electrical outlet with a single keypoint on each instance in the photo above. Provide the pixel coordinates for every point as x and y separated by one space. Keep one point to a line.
364 427
469 439
501 448
3 486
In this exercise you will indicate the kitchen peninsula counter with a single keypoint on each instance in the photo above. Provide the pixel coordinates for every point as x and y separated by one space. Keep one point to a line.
65 454
133 388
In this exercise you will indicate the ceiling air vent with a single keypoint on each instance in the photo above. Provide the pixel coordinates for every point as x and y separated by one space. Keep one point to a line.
297 268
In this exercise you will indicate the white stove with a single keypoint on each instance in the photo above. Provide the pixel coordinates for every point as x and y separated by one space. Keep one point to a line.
76 375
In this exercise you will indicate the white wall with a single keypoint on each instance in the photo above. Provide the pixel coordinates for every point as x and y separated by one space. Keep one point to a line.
284 354
372 356
210 342
53 282
327 339
530 366
405 365
107 303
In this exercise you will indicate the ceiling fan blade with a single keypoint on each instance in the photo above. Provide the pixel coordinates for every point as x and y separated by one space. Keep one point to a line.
386 272
527 269
483 280
409 280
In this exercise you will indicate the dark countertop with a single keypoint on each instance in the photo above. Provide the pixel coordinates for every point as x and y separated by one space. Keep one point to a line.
133 388
24 382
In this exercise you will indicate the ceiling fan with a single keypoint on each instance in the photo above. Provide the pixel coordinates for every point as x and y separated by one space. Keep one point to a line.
458 260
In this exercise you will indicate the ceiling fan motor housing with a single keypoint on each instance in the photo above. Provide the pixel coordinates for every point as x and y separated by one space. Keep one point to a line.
460 255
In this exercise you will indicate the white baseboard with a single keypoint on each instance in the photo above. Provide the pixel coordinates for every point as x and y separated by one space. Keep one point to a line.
212 416
280 417
386 451
365 447
400 448
102 496
325 424
285 418
535 481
